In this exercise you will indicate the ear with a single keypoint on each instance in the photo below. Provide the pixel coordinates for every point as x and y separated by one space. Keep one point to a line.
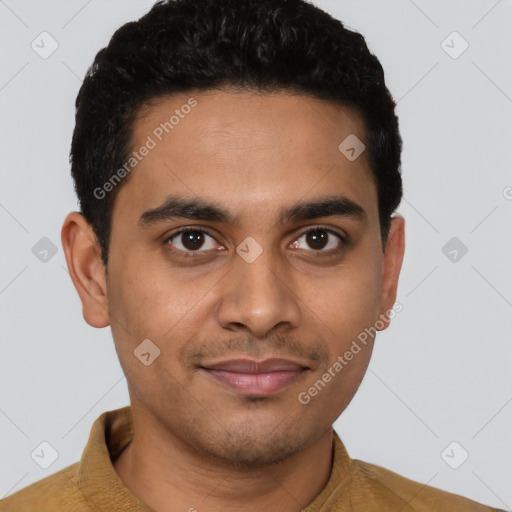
391 266
83 257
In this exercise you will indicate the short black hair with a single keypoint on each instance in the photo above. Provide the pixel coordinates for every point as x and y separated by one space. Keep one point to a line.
264 45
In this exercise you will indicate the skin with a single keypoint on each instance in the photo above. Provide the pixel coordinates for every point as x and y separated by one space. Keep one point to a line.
199 443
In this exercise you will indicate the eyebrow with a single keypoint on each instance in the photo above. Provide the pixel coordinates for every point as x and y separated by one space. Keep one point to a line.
176 207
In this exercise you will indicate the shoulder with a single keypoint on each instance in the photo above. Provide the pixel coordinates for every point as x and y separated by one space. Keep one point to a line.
55 493
382 484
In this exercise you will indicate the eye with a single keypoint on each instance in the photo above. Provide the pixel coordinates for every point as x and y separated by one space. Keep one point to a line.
320 240
191 240
194 242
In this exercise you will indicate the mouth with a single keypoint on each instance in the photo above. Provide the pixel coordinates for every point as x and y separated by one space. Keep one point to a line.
255 378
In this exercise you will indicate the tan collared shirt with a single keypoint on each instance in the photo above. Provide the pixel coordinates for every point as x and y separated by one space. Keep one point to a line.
93 484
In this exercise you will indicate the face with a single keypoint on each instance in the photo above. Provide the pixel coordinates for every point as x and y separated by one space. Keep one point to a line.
246 247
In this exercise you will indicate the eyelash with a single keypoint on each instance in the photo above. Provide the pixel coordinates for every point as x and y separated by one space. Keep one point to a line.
192 254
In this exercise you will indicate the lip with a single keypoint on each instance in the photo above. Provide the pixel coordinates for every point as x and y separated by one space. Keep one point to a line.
256 378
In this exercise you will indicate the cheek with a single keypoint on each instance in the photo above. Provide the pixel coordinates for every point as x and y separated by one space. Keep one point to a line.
147 299
329 392
347 302
164 305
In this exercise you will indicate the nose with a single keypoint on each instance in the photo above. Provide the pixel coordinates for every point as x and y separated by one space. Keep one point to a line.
258 298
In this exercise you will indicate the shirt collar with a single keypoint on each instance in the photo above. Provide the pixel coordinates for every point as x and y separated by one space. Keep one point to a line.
97 478
113 431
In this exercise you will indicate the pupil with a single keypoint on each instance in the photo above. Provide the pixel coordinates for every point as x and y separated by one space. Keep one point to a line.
192 239
317 239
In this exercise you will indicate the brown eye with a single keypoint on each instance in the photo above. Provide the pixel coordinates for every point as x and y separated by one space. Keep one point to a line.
191 240
320 240
317 239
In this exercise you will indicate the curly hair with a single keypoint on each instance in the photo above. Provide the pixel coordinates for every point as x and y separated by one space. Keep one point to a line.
264 45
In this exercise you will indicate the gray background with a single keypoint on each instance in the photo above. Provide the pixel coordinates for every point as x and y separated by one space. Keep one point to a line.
441 373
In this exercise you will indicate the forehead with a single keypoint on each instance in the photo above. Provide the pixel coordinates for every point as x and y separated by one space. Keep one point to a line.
249 151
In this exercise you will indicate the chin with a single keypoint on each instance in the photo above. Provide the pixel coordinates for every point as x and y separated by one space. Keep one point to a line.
250 448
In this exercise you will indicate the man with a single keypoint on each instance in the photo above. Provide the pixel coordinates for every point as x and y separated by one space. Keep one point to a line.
238 167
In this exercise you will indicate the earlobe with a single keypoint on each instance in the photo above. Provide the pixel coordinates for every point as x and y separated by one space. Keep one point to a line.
86 268
391 266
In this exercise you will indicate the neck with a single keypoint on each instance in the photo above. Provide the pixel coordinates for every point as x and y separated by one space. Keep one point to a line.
167 475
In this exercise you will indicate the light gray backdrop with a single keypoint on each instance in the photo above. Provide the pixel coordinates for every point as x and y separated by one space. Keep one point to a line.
436 404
